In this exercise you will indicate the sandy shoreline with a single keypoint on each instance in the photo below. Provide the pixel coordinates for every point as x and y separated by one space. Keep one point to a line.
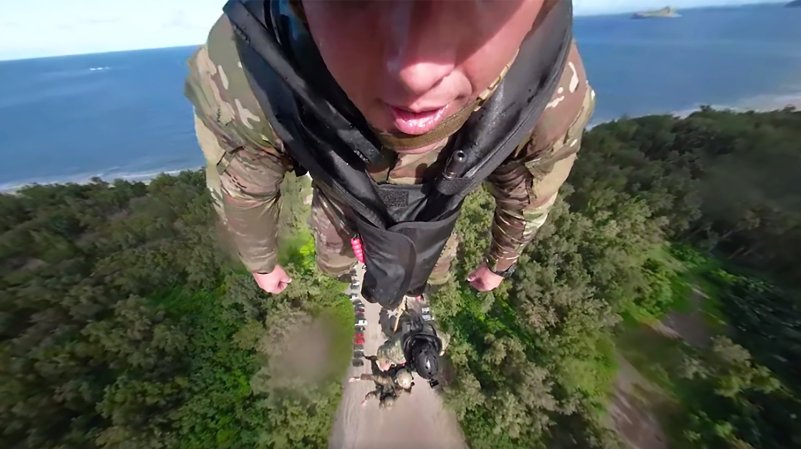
761 103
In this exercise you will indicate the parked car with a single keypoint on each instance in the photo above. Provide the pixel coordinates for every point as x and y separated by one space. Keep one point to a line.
355 284
358 303
357 363
358 348
361 323
359 329
358 339
354 297
358 354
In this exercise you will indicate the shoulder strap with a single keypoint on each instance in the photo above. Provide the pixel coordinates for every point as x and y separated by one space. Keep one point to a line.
535 75
255 33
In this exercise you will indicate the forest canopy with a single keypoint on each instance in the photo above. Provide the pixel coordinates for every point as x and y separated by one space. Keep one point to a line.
123 324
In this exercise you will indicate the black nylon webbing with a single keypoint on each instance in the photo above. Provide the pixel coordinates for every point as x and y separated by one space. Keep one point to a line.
253 31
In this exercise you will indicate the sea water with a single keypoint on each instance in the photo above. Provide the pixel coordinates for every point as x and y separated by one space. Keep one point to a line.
123 115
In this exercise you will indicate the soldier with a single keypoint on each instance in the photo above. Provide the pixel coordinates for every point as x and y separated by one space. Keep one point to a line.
390 382
398 110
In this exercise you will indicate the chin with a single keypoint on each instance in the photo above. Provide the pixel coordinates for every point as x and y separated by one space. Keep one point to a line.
379 119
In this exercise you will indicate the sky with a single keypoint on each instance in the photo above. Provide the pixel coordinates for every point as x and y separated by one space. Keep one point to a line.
36 28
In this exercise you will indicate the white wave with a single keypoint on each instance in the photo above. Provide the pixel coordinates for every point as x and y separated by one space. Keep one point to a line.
99 69
758 103
767 102
86 178
770 102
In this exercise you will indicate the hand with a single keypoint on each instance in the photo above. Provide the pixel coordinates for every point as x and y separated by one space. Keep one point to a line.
354 379
484 280
274 282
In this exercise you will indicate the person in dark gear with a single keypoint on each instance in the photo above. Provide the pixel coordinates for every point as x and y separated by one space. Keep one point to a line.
414 92
397 112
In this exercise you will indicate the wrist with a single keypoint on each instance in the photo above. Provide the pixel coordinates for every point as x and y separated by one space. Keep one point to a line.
265 270
261 265
503 267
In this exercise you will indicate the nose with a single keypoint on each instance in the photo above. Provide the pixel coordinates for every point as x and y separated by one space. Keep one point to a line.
418 54
417 77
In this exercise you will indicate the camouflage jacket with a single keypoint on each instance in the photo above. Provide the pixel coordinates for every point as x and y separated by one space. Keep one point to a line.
242 150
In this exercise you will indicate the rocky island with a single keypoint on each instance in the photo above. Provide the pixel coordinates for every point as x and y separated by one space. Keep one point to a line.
664 13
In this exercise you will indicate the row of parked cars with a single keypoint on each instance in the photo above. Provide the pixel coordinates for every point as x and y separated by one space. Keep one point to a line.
360 322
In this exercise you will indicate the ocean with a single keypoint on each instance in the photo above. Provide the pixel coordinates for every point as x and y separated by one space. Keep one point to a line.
123 115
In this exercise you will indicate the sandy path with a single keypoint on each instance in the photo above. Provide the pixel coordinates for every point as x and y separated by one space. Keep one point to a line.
633 416
417 420
688 326
635 400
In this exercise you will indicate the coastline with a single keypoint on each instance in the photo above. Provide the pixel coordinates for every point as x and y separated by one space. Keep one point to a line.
760 103
86 178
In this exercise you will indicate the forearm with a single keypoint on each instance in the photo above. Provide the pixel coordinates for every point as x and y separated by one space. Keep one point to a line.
514 229
245 189
526 186
524 195
252 226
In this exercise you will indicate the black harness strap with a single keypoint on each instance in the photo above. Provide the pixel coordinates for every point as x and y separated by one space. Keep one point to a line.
403 228
479 141
253 32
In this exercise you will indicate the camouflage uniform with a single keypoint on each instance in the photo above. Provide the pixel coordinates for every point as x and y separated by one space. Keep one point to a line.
386 386
382 379
391 351
246 164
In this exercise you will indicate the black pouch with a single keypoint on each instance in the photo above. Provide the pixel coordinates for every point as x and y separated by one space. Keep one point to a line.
400 259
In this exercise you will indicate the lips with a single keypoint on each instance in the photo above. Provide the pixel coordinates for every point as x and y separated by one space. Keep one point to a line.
417 123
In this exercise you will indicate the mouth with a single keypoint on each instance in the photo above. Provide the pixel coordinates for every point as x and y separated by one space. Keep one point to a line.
417 122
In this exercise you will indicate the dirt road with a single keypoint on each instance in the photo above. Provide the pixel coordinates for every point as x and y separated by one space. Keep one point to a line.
633 415
636 400
417 420
689 326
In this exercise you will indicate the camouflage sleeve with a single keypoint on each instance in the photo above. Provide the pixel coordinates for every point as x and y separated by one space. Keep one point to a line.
392 350
525 187
245 164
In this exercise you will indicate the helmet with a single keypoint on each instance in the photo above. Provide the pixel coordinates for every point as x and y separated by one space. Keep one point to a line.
386 402
421 348
426 360
404 379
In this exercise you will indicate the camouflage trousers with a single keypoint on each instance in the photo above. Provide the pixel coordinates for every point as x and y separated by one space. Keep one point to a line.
332 236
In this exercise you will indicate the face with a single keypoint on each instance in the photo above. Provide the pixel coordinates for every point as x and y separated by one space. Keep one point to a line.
409 64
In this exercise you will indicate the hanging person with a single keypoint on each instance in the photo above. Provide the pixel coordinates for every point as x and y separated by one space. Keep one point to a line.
397 109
